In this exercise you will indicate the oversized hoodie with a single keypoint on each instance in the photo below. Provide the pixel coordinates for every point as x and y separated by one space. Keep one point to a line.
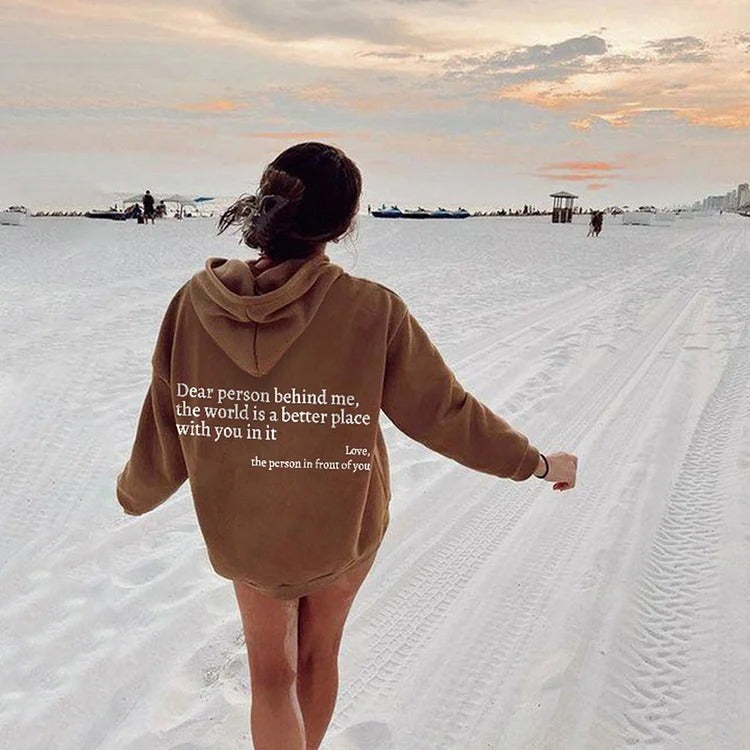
265 395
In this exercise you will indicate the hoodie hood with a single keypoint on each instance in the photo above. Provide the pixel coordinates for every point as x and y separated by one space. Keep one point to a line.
255 316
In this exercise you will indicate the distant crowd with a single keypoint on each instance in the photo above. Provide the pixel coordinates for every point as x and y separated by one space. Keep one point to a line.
150 209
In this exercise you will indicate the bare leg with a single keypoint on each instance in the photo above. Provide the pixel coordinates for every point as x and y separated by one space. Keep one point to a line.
322 616
270 627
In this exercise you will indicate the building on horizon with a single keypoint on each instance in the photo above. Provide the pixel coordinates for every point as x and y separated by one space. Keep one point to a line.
743 196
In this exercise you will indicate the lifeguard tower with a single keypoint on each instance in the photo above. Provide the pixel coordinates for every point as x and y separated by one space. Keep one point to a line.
562 207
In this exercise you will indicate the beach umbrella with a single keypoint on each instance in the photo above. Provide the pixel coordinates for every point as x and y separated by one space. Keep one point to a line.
182 200
137 198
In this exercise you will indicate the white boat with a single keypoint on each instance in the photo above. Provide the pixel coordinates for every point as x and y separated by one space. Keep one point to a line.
638 217
15 216
648 216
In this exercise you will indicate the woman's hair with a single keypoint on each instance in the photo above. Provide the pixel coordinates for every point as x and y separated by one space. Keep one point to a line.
308 194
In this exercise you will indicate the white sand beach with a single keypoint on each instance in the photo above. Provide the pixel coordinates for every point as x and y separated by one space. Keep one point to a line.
498 615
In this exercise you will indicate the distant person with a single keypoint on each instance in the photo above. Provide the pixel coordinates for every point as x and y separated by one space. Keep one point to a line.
148 207
598 220
595 224
161 210
291 482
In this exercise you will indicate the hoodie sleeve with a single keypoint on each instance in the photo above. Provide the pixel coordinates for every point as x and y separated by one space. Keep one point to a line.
156 467
422 397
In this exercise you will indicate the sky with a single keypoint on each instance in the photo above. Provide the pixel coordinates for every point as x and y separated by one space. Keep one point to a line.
480 103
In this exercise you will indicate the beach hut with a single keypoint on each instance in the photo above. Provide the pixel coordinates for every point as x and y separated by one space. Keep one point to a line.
562 207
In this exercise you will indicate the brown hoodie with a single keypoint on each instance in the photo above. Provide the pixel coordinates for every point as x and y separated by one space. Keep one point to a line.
265 394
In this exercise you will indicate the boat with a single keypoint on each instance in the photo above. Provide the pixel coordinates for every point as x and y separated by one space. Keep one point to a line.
648 217
113 214
419 213
387 213
394 212
14 216
638 217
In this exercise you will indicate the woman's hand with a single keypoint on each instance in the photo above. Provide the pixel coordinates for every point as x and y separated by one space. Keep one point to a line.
562 470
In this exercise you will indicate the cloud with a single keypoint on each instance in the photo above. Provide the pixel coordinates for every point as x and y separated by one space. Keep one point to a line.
667 75
457 3
579 171
584 166
556 95
589 54
297 20
213 106
680 49
539 61
583 124
568 177
263 25
347 96
392 55
282 135
730 118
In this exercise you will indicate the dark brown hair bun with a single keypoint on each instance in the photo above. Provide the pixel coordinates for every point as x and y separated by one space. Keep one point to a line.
308 194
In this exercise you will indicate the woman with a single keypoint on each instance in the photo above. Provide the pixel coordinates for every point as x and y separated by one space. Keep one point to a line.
268 378
597 220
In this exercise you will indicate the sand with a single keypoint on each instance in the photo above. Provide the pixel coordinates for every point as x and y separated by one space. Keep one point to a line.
498 615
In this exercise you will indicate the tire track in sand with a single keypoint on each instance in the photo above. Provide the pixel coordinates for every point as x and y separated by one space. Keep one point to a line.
418 607
497 641
675 604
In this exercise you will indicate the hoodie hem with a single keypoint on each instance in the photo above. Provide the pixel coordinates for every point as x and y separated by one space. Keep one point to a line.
295 591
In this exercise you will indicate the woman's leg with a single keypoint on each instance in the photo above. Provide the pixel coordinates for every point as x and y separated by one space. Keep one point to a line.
322 615
270 627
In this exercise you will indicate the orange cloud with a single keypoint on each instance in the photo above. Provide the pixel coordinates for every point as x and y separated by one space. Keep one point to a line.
584 166
546 95
584 124
579 171
572 176
618 93
597 185
732 118
617 119
215 105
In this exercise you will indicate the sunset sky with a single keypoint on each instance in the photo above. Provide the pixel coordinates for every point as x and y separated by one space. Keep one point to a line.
473 102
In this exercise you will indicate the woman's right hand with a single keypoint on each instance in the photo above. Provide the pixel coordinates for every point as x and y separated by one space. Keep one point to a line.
562 470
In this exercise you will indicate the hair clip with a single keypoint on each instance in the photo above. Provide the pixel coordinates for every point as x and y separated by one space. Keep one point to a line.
263 211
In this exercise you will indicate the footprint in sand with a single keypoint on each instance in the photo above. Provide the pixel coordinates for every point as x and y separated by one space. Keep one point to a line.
367 735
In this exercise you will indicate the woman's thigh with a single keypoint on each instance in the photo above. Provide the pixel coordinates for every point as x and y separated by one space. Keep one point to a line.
271 627
323 613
